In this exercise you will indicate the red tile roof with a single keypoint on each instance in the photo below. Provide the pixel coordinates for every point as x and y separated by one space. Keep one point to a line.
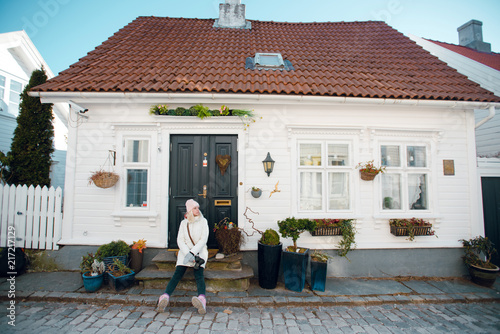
356 59
489 59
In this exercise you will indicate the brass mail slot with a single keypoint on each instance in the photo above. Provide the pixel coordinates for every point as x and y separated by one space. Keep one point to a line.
222 202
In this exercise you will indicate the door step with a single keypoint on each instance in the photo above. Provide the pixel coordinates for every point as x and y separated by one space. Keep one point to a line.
227 274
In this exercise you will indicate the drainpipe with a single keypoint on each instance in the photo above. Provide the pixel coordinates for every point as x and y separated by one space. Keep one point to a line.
487 118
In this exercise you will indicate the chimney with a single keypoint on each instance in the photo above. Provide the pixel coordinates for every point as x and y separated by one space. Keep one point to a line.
232 15
470 35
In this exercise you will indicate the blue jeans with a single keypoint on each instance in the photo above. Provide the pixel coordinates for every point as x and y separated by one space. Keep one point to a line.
179 273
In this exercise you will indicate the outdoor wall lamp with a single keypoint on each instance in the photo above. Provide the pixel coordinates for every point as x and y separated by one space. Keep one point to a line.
268 164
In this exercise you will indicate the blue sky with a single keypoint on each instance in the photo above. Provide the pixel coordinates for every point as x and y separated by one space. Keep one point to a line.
65 30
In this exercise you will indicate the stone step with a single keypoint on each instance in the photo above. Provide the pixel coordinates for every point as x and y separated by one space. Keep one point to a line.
167 260
152 277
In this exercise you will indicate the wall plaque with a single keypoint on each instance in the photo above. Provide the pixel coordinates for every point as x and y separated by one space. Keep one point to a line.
449 167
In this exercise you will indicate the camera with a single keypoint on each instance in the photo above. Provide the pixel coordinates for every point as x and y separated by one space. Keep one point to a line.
198 261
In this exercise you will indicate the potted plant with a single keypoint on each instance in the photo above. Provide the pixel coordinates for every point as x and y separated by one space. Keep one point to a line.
295 259
137 255
228 236
269 258
368 171
114 249
256 192
103 179
92 272
343 227
319 264
120 275
478 253
410 227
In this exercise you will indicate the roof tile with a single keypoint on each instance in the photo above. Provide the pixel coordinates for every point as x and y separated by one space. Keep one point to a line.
358 59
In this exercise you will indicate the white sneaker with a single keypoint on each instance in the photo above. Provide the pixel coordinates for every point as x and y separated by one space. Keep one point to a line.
163 303
200 303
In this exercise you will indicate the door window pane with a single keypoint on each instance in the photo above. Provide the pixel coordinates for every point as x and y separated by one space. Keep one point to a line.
310 154
415 156
391 191
310 191
417 191
338 155
390 155
137 150
338 191
137 187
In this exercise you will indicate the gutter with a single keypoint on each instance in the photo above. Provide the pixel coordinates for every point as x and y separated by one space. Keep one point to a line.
487 118
153 98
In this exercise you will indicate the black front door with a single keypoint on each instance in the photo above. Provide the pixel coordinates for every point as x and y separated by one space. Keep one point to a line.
197 171
491 212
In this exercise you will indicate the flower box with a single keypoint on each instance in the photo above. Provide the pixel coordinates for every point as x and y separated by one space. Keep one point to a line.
410 227
327 231
418 230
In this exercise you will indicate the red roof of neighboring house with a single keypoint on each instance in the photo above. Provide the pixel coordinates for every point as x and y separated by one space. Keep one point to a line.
356 59
489 59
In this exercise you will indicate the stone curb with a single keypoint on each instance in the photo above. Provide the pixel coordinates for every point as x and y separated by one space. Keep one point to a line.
248 302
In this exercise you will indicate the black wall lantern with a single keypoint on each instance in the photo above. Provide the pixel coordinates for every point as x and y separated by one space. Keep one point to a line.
268 164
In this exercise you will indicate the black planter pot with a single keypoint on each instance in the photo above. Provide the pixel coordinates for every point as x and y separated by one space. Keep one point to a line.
482 276
318 275
136 258
269 258
294 269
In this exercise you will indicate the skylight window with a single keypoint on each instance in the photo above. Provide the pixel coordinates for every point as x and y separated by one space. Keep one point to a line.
268 61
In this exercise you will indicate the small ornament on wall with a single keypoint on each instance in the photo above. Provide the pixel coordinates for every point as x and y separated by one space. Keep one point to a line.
449 167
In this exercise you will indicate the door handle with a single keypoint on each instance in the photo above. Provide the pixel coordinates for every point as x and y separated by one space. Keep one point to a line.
204 194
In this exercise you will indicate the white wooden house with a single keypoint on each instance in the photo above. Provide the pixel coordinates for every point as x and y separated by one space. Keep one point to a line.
473 57
18 59
326 96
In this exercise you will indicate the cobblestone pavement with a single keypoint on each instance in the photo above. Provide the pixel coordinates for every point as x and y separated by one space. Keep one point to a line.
40 317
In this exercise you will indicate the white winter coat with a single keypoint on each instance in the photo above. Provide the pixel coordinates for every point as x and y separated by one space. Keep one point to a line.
199 233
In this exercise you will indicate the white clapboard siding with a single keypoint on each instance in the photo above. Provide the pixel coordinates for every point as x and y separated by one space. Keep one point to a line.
36 214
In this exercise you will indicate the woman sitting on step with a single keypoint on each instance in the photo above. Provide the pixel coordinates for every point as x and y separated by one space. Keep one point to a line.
192 241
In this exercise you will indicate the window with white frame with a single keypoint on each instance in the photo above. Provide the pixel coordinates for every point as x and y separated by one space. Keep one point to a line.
324 171
2 86
405 183
15 97
137 167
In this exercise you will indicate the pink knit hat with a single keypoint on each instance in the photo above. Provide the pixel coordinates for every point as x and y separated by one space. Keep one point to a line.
191 204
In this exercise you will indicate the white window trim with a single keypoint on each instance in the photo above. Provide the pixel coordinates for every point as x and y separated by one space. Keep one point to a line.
342 135
131 132
431 170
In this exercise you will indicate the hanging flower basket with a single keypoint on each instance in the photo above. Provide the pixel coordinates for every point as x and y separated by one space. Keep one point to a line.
368 171
103 179
367 176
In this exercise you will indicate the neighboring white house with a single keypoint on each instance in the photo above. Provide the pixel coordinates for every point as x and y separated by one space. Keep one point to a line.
473 58
18 59
326 96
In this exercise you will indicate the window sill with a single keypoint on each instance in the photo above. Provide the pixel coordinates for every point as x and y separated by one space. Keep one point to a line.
151 216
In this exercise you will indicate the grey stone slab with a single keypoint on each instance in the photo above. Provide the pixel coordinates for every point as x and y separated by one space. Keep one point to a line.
422 287
458 286
61 281
361 287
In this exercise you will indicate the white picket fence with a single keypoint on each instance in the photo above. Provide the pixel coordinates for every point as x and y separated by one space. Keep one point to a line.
34 214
